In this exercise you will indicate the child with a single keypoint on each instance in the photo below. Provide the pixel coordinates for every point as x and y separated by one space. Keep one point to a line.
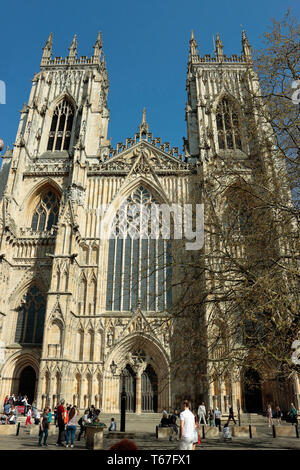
113 425
226 432
29 414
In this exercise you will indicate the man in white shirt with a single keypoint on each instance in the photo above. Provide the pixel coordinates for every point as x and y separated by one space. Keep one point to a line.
187 427
202 413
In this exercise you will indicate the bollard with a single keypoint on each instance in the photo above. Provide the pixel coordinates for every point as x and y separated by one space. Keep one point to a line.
203 432
18 429
297 431
274 430
250 431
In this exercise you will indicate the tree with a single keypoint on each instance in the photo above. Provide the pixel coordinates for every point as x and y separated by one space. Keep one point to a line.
237 306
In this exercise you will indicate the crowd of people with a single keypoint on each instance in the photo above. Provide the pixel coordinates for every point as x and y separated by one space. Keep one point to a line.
64 417
187 432
10 408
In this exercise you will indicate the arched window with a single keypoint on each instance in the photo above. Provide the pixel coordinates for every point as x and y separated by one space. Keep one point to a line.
30 323
139 269
238 215
46 212
61 127
228 126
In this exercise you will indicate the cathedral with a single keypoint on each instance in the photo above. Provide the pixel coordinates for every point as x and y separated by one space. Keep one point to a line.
84 309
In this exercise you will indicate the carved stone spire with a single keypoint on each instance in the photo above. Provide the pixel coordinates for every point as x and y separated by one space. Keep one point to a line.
246 46
193 44
73 48
98 46
144 126
219 48
47 49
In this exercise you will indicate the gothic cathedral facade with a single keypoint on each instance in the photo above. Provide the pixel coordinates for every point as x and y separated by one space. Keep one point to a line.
77 314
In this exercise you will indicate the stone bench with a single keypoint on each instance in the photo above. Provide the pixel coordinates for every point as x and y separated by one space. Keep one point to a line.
8 429
162 433
285 431
242 431
35 430
210 432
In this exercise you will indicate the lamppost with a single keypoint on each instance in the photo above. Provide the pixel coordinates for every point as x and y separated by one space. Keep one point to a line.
113 368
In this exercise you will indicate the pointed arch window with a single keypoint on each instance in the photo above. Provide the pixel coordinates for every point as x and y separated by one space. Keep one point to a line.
46 212
228 127
31 317
139 267
61 126
238 213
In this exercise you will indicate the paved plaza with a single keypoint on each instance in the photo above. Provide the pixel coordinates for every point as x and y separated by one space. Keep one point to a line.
147 441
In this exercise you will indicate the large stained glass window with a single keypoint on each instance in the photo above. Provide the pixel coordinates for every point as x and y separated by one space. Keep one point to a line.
139 267
31 317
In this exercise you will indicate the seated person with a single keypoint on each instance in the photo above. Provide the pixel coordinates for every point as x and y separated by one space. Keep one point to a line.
3 419
12 418
113 425
226 432
164 423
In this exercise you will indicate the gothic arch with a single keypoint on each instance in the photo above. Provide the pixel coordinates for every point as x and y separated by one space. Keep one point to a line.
126 190
63 96
159 358
19 292
31 199
155 355
12 369
69 101
226 94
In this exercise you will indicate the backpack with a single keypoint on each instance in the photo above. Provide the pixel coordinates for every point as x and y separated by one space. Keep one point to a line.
80 421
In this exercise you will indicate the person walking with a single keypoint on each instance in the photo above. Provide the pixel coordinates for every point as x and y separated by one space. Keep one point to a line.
82 423
231 415
202 413
196 439
49 416
187 427
270 415
278 415
55 416
217 416
211 417
293 414
173 425
61 423
71 426
29 416
44 426
25 404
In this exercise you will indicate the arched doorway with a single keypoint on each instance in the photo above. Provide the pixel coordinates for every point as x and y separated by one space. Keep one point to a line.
130 388
27 383
149 390
252 391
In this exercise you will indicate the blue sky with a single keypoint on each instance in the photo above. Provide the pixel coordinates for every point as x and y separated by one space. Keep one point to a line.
146 46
